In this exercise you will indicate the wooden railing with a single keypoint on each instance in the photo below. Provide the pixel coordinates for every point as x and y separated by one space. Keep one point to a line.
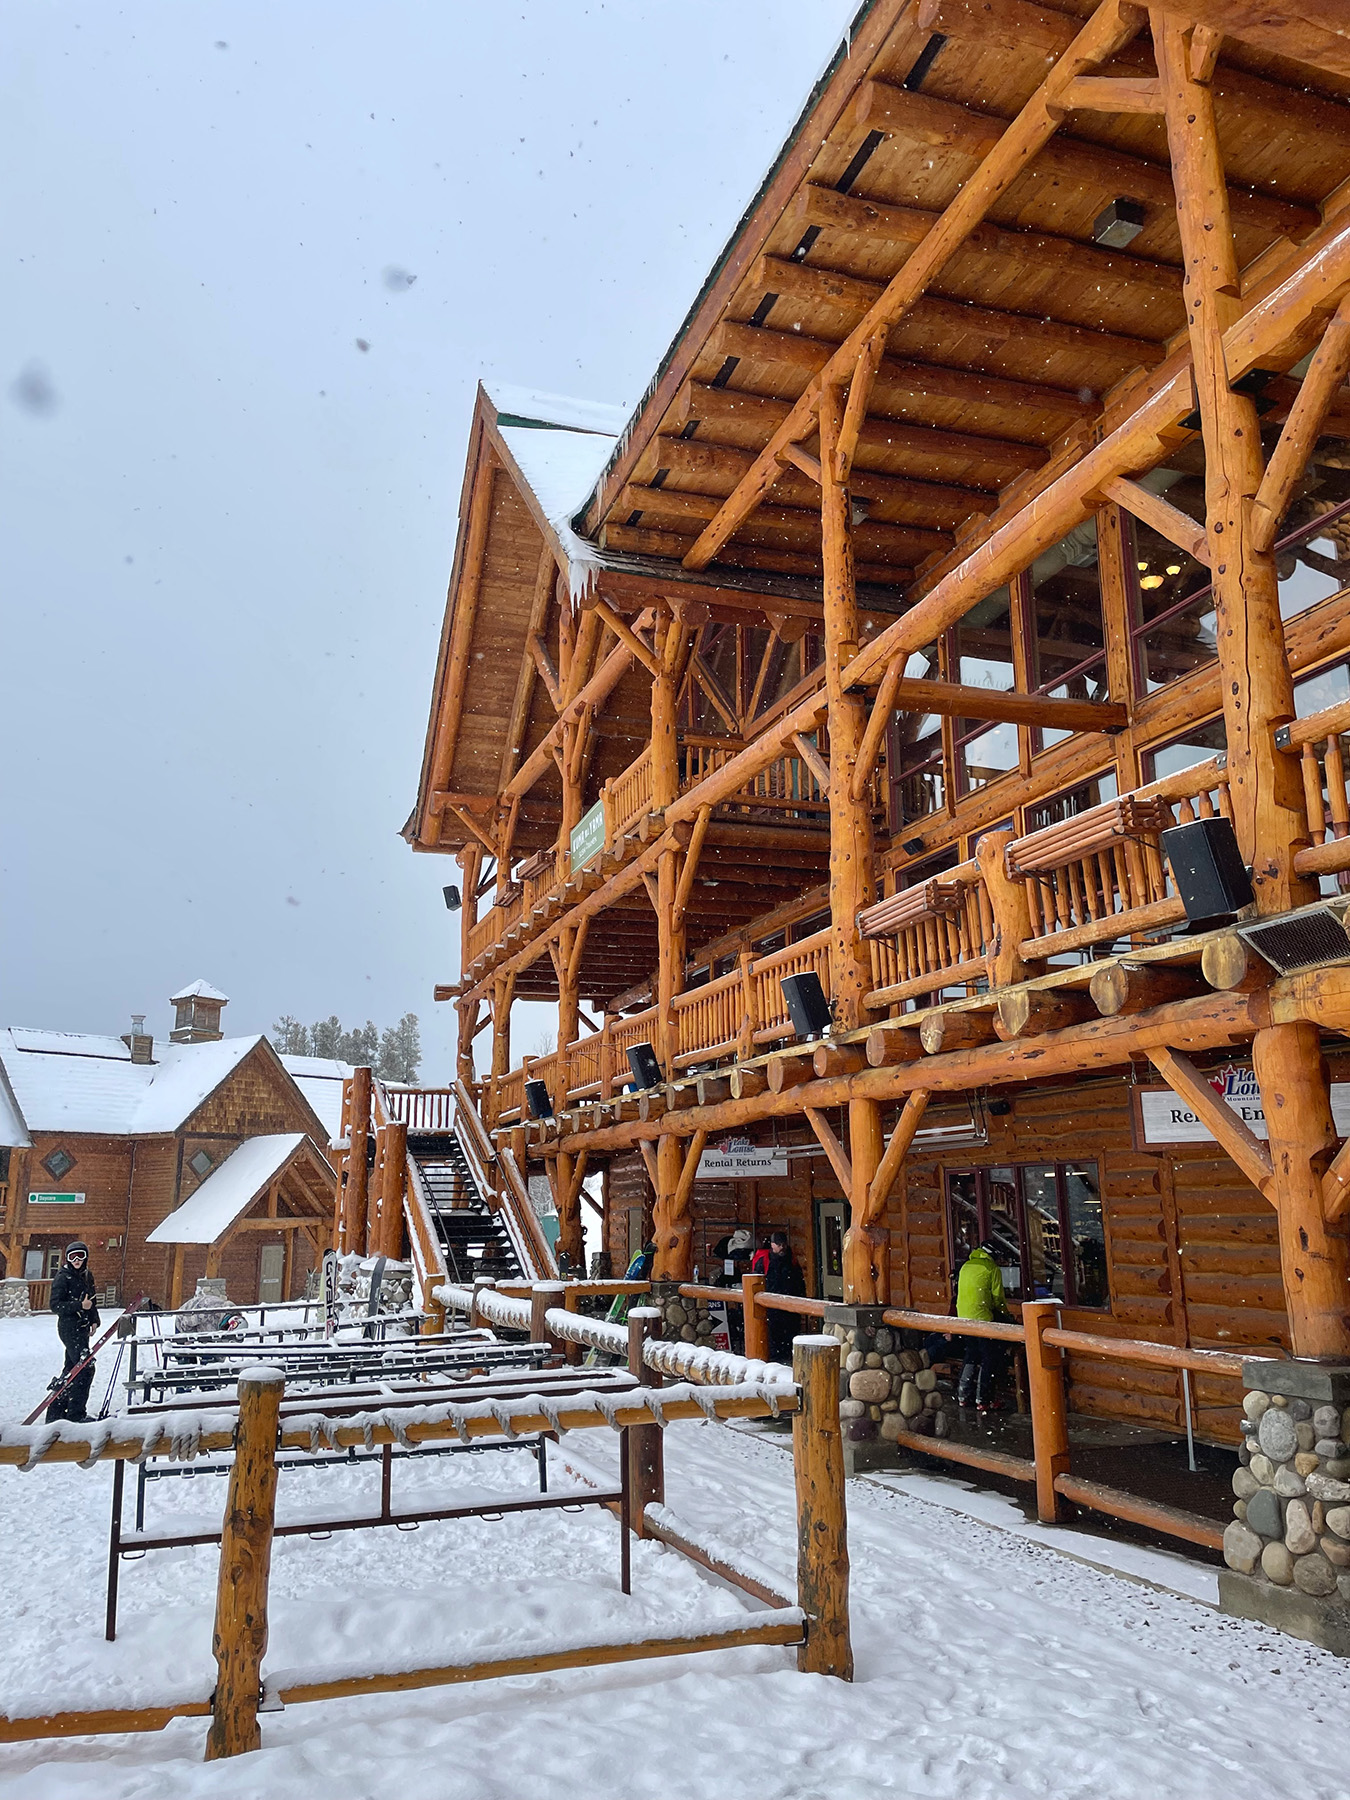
421 1109
1316 741
765 994
628 797
931 936
787 784
1100 875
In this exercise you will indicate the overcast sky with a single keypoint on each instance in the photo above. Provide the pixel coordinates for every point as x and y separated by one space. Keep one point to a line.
227 526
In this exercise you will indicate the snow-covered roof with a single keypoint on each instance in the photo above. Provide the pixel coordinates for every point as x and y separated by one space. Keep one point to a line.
13 1131
560 446
199 990
320 1081
518 405
228 1191
70 1081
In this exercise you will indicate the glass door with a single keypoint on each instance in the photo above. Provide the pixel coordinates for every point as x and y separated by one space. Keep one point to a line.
831 1223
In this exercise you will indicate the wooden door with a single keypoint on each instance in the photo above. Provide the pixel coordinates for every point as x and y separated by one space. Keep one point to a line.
271 1274
831 1223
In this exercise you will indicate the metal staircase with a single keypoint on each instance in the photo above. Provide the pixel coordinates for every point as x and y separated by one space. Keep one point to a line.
474 1240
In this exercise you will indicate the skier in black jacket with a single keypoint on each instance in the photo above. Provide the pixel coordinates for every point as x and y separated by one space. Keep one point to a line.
74 1303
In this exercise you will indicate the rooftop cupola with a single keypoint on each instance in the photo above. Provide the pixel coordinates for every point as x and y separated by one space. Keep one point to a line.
197 1014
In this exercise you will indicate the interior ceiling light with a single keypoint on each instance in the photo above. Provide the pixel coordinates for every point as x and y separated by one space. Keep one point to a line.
1141 567
1119 225
1174 568
1151 581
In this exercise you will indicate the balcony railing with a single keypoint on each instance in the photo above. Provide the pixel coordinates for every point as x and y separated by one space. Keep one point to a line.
1316 741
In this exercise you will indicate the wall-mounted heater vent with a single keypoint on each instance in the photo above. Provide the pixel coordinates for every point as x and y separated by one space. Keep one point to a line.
1299 940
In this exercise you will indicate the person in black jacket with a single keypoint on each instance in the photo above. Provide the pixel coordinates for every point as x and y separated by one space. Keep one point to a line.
782 1275
73 1301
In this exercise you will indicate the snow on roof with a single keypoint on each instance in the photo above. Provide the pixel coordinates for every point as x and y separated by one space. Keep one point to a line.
228 1191
518 405
13 1131
320 1081
182 1081
562 467
199 990
66 1081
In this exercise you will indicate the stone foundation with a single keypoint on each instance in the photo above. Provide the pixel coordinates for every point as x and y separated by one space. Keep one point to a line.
14 1298
885 1386
689 1321
1288 1547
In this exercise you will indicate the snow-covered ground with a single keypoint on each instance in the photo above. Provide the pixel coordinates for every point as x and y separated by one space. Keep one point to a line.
988 1663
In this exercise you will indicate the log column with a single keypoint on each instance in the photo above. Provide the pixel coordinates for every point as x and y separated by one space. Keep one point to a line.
822 1519
503 992
355 1195
1313 1255
866 1244
851 845
240 1638
1265 787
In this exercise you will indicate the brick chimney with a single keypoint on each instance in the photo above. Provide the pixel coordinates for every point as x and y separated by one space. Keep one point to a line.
139 1041
197 1012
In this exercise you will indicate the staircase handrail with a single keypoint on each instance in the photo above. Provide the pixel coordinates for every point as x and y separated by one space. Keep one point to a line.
522 1224
422 1237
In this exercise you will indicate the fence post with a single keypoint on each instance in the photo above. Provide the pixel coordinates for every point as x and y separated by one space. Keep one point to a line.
822 1519
543 1295
646 1443
477 1320
572 1303
1049 1420
245 1558
756 1319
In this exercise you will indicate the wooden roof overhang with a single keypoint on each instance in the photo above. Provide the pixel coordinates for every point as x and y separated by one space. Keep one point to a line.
1018 342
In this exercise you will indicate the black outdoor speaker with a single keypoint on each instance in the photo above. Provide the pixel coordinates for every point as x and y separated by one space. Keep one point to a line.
452 899
1207 868
646 1069
537 1099
806 1004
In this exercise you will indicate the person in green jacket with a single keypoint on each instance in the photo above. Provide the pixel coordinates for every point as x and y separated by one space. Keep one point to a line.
979 1295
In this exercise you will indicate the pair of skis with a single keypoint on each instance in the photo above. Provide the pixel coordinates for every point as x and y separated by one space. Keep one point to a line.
53 1395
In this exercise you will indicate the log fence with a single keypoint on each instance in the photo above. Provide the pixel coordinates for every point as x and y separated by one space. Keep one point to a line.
262 1424
1036 1333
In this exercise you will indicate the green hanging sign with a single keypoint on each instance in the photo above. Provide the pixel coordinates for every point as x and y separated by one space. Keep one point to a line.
588 836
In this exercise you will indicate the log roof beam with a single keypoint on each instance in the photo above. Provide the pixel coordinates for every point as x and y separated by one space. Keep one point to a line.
1111 26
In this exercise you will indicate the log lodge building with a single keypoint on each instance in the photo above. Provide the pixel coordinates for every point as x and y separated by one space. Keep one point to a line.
987 520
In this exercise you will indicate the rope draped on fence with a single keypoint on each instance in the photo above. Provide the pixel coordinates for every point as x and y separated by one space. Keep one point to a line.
668 1356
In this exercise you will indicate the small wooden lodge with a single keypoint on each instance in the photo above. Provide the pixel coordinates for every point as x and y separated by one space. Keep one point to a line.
136 1145
987 519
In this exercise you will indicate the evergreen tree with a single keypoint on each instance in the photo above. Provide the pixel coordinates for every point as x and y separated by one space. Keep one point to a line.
290 1037
325 1038
401 1050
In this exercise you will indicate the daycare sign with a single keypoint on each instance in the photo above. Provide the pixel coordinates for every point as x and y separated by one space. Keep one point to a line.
1164 1118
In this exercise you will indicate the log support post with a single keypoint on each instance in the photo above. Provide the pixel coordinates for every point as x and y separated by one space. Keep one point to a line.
478 1320
1049 1417
543 1296
1295 1097
1264 785
822 1520
646 1443
852 875
866 1240
676 1167
756 1319
240 1637
356 1192
389 1241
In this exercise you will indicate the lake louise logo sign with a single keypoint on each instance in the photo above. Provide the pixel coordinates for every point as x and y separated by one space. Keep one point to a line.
737 1159
1164 1118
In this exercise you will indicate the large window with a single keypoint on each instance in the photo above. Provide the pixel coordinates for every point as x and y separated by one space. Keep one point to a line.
984 659
1175 620
1044 1221
1068 641
914 753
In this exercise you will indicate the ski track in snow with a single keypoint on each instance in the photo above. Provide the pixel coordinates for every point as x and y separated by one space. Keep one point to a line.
988 1666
